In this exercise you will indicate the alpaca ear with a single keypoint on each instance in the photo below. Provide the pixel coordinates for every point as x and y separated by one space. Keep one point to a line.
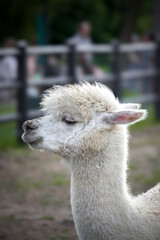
125 116
130 105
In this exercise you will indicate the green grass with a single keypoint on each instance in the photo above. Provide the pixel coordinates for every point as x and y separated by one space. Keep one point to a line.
8 131
60 180
12 219
7 108
132 167
55 179
48 218
8 135
152 181
150 120
19 185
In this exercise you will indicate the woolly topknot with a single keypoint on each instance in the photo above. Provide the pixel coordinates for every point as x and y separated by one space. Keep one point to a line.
85 98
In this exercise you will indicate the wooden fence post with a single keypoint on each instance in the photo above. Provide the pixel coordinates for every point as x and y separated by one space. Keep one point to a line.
157 81
117 88
22 90
71 63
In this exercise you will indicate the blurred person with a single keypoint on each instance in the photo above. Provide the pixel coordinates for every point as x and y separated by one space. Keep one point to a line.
9 64
31 66
33 71
32 61
82 37
85 64
8 69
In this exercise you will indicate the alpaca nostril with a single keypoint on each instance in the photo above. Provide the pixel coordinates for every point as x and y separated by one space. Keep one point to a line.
29 125
29 128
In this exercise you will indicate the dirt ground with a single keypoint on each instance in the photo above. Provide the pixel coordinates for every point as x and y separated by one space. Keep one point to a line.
35 188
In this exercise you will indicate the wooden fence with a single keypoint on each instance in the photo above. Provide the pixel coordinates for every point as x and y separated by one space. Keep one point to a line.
116 76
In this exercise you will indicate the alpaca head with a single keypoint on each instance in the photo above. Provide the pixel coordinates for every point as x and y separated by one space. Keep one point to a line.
79 119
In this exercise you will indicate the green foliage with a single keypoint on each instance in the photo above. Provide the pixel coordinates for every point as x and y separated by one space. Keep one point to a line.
18 18
106 17
144 22
67 14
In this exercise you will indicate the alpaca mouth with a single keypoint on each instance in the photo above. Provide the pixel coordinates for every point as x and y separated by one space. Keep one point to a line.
31 139
37 141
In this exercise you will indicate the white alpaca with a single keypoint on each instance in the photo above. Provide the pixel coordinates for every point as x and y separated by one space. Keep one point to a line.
87 126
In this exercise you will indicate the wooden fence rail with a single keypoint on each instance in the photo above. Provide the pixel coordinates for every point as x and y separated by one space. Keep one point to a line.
116 76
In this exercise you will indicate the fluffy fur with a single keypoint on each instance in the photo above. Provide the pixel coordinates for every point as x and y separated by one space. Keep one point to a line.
87 126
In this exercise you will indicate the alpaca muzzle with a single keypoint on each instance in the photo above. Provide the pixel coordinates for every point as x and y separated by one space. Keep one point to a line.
30 135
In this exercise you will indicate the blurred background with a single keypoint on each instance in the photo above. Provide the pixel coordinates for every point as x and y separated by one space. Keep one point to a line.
48 42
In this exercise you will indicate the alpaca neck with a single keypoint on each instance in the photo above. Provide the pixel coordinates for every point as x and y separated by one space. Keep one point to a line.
99 188
105 171
101 179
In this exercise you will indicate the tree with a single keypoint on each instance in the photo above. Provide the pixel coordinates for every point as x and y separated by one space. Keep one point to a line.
130 19
66 14
109 18
18 18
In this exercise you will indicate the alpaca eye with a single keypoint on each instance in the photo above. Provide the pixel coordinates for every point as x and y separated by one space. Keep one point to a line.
68 121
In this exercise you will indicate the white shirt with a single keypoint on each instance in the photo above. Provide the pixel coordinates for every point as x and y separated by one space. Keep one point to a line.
8 68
